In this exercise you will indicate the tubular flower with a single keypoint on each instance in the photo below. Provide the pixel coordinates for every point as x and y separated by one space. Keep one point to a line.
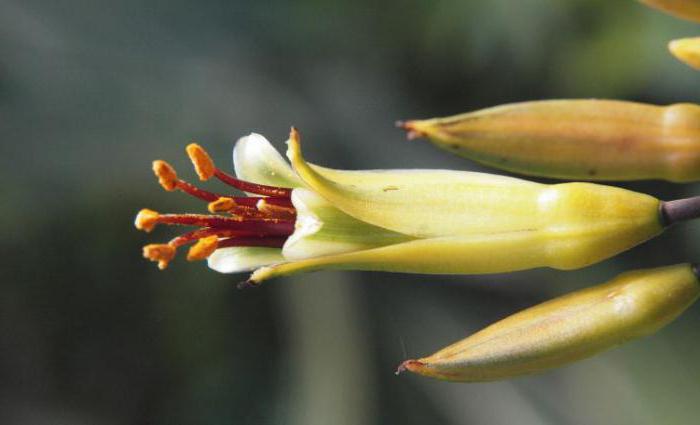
575 139
307 217
568 328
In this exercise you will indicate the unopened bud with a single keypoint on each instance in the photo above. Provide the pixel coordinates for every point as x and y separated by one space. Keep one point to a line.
684 9
567 328
576 139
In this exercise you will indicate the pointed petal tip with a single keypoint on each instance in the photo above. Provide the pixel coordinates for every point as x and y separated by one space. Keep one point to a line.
410 365
246 284
412 131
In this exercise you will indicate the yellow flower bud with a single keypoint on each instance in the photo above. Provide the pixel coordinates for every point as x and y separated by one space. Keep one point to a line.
576 139
687 50
568 328
685 9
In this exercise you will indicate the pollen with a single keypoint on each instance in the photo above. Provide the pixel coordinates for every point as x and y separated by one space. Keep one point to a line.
146 220
203 164
167 177
203 248
222 204
162 253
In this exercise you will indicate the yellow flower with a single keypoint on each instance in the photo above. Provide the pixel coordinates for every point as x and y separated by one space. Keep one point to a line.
567 328
308 217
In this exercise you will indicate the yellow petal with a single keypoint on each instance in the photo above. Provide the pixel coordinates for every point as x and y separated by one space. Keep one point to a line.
241 259
255 160
321 229
424 203
687 50
563 247
439 203
568 328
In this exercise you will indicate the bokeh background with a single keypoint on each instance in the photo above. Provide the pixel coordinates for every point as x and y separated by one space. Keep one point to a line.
92 91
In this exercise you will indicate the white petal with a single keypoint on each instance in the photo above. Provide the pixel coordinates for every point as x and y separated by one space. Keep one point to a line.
256 160
241 259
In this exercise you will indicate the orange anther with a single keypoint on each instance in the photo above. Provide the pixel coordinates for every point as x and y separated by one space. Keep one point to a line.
146 220
203 248
203 164
167 177
221 205
162 253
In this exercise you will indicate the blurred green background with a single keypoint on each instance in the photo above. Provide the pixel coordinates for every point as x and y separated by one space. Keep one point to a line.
92 91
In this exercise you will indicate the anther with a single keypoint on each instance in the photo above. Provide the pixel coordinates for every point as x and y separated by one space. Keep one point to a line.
162 253
222 204
167 177
203 248
203 164
205 168
276 211
146 220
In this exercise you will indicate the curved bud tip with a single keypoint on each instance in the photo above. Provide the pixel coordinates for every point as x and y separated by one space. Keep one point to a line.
202 162
167 177
146 220
246 284
413 129
411 365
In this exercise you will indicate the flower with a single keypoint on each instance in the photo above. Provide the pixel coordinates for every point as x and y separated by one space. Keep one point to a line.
568 328
306 217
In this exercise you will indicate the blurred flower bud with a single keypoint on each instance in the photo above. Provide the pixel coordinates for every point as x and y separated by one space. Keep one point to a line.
576 139
567 328
685 9
687 50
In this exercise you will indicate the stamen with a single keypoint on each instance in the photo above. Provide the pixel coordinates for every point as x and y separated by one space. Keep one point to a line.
203 164
146 220
162 253
222 204
167 177
203 248
256 226
261 221
205 168
269 242
276 211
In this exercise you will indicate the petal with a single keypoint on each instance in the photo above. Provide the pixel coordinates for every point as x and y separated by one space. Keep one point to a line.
256 160
322 229
241 259
425 203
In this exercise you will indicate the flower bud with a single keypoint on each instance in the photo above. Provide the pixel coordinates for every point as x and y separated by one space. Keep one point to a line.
686 50
685 9
576 139
568 328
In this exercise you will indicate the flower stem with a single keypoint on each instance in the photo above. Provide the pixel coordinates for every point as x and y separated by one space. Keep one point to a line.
680 210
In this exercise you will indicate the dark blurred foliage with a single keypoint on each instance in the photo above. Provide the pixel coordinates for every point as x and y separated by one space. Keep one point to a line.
92 91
